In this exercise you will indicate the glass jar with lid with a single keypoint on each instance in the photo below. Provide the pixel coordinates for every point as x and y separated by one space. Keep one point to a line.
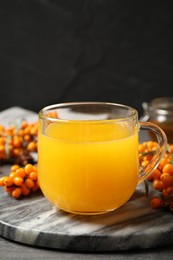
160 112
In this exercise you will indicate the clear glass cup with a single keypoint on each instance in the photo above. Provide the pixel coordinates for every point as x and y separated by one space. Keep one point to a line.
88 161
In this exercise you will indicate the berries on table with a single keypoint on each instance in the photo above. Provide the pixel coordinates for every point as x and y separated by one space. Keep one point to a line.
21 180
18 142
161 177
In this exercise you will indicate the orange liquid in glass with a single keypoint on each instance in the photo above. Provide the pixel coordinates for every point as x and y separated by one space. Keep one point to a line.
88 168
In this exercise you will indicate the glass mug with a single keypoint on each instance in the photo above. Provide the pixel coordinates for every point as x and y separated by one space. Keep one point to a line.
88 161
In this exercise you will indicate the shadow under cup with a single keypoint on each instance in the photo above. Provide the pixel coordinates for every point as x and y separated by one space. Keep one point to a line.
88 160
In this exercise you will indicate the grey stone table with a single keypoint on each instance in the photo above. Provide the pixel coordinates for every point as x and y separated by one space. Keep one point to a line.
32 228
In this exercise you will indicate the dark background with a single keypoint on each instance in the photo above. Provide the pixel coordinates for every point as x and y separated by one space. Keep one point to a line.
85 50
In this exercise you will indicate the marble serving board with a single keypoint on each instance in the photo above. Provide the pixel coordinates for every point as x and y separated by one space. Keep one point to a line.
34 221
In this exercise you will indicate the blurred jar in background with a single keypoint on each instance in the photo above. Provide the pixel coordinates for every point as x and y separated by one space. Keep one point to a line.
160 112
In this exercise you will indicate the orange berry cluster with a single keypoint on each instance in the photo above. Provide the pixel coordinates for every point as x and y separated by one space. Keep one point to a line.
17 142
161 177
21 180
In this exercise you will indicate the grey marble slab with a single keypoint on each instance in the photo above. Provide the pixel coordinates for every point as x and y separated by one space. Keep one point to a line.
34 221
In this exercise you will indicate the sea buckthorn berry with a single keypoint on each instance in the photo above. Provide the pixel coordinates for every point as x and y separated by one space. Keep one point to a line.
144 163
17 142
25 190
28 168
24 124
157 202
158 184
168 168
156 174
34 168
20 172
164 161
18 181
34 130
33 176
21 132
27 137
8 181
29 183
16 192
16 151
150 145
27 130
142 148
14 167
31 146
148 157
2 181
167 179
4 178
13 174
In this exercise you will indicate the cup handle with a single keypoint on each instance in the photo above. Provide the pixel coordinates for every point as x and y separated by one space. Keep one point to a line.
158 154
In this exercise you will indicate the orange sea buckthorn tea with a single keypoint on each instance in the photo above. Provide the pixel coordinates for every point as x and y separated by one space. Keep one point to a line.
88 161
